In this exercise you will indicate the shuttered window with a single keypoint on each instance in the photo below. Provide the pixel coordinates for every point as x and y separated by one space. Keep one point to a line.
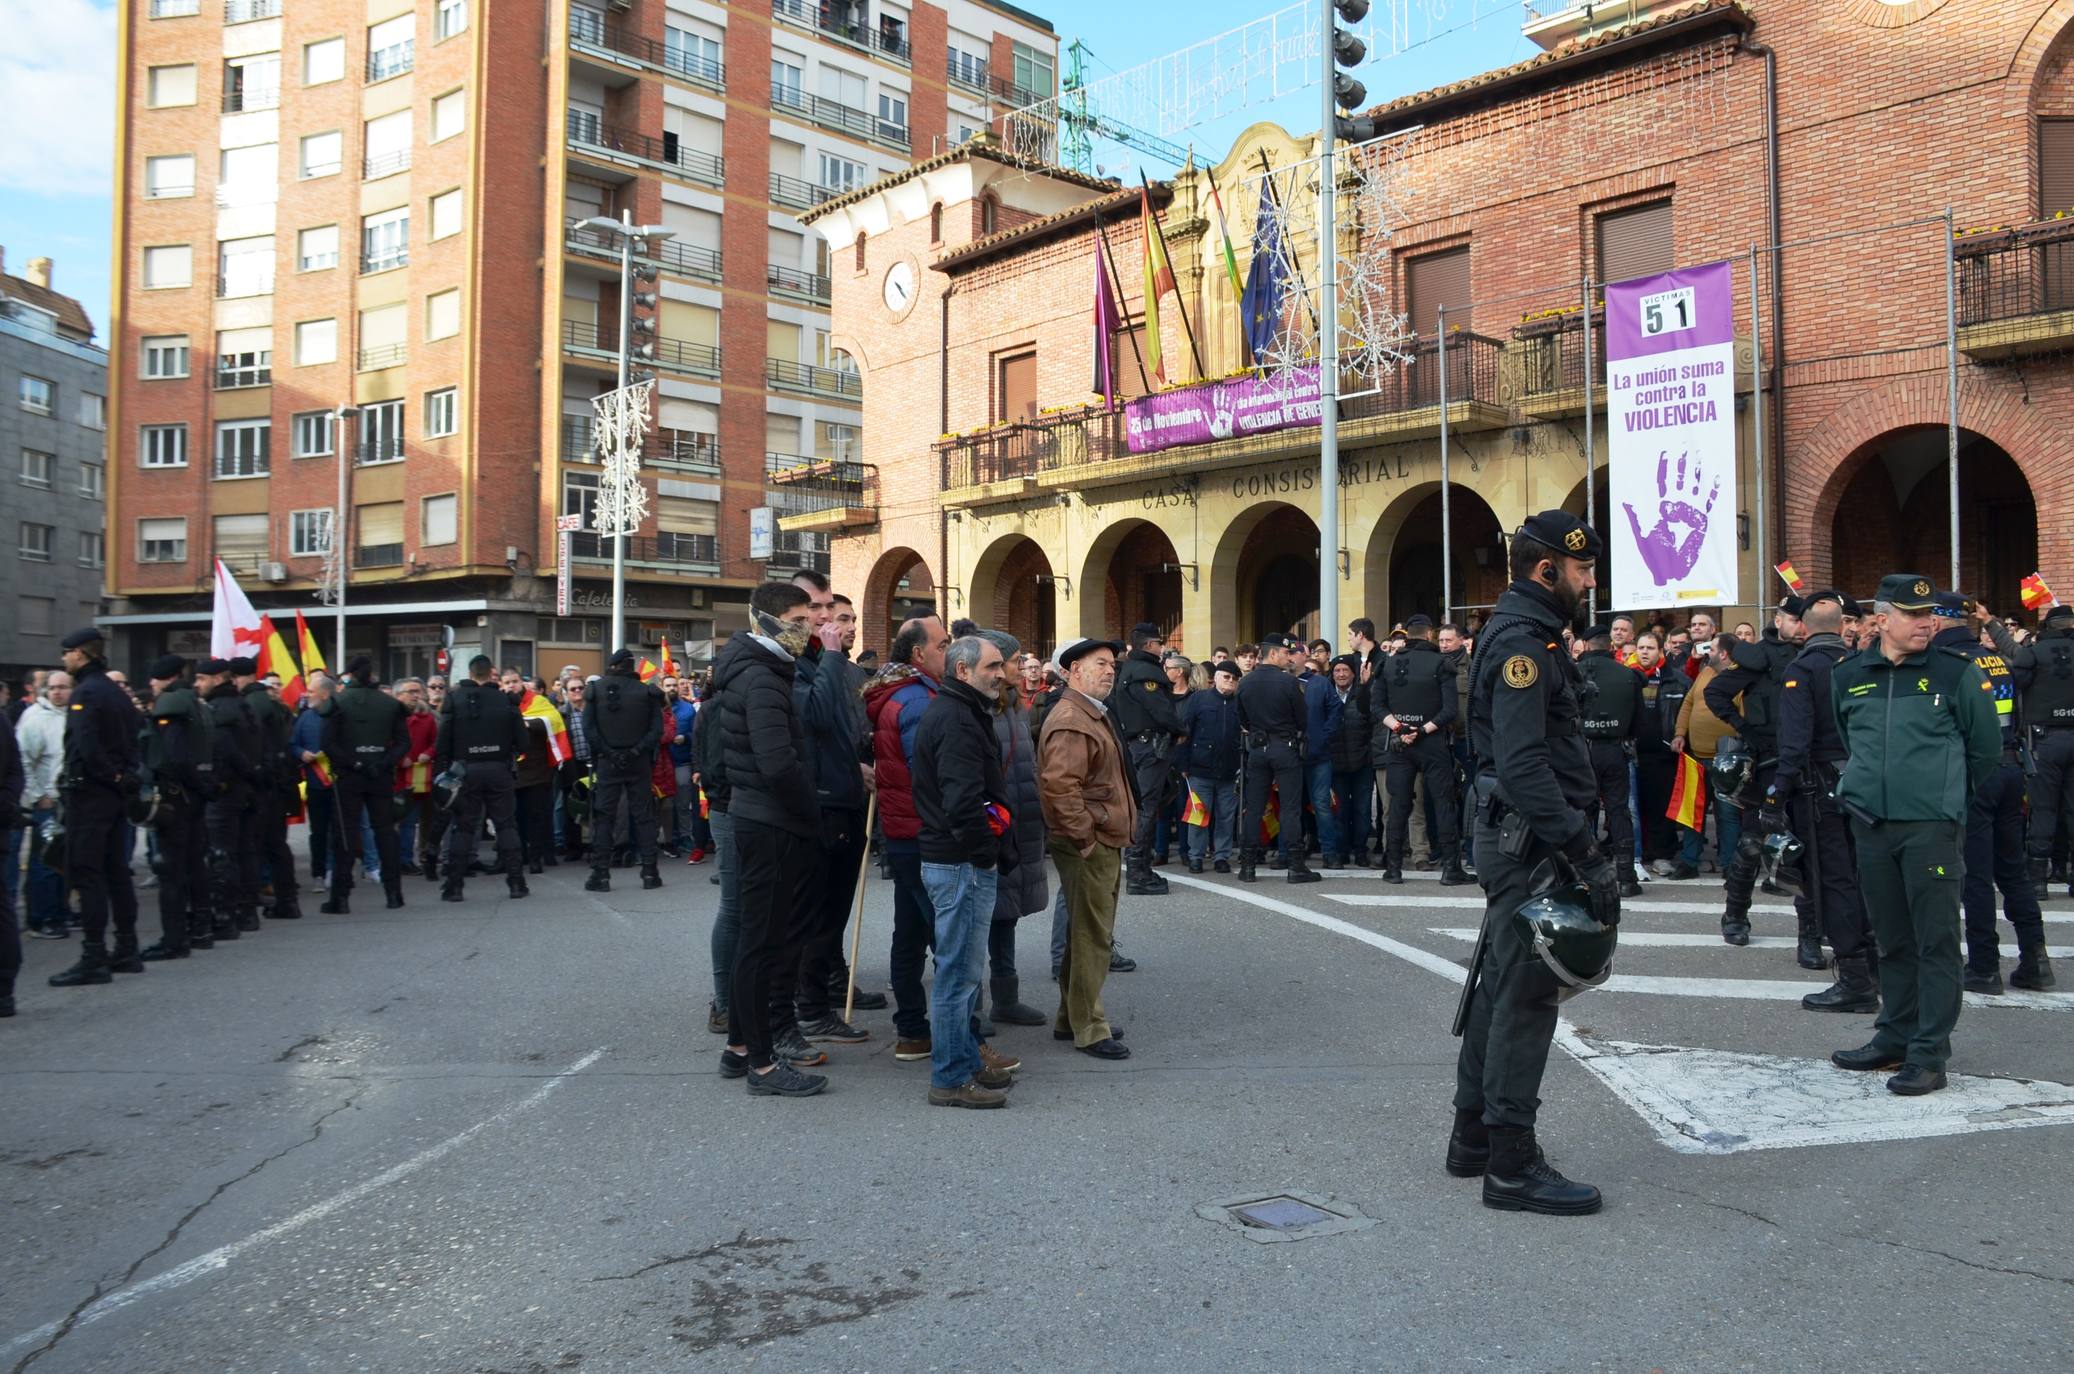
241 539
2056 193
684 515
1015 392
1636 242
378 525
1435 280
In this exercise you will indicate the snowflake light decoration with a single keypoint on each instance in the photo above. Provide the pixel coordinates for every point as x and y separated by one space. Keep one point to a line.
622 426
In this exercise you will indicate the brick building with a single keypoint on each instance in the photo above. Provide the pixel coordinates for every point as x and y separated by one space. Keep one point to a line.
1645 136
381 207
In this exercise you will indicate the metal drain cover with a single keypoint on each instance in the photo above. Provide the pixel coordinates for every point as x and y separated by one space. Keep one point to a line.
1286 1215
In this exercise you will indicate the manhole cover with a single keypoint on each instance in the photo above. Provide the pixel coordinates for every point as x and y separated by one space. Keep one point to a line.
1285 1215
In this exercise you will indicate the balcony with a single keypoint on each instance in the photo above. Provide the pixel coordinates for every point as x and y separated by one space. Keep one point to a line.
588 136
679 355
1546 365
232 376
803 552
686 260
385 448
242 11
174 9
611 41
230 194
380 356
378 165
378 556
822 494
243 101
818 381
795 194
681 450
384 259
2016 290
235 284
968 74
664 551
831 114
394 60
790 281
846 20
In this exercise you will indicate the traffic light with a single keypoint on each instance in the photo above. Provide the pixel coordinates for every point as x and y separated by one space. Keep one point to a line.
1347 92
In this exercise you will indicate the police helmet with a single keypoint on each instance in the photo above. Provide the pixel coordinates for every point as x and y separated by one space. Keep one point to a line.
1779 860
1730 770
1558 925
446 787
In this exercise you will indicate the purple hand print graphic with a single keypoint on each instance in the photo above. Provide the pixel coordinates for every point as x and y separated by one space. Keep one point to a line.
1666 554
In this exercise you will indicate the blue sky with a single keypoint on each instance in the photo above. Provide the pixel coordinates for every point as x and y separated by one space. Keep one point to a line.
57 80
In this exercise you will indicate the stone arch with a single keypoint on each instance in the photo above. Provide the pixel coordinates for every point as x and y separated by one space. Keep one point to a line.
1131 573
1403 563
1013 590
2033 62
900 585
1264 575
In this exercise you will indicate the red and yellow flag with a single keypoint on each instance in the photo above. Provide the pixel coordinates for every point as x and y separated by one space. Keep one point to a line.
1196 813
275 658
533 706
1688 794
1271 817
322 768
2035 593
669 668
1790 576
1159 280
648 670
306 646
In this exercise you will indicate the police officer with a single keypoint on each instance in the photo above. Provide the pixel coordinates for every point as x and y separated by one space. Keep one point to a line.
1271 731
177 746
482 731
1535 784
232 754
274 797
1811 758
365 736
1756 674
2048 703
1612 724
1414 704
1148 716
1922 734
1995 820
100 774
623 719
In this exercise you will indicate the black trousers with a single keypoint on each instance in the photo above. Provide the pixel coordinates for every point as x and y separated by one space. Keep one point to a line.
1739 870
2052 792
317 819
614 795
1610 768
355 797
432 826
775 871
1430 757
233 862
10 930
536 823
1995 859
1830 863
487 790
829 901
914 935
1512 1014
182 872
98 861
270 836
1655 774
1152 772
1279 764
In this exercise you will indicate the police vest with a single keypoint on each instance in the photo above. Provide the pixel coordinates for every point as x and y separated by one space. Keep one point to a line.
1761 698
174 715
2004 684
1413 679
480 718
1609 710
2050 697
625 708
367 723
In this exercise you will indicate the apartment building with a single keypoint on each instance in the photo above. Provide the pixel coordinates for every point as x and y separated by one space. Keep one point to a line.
356 244
54 435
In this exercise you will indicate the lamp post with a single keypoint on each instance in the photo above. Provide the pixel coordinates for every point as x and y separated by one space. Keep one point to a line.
627 231
340 550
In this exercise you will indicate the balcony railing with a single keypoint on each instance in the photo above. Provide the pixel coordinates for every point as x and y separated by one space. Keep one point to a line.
231 194
1472 378
394 60
817 484
692 550
378 556
242 11
847 20
795 282
805 550
232 376
376 165
2016 287
380 356
822 381
586 31
833 114
664 448
243 101
232 285
998 89
1551 355
677 354
683 258
587 133
382 259
174 9
800 195
386 448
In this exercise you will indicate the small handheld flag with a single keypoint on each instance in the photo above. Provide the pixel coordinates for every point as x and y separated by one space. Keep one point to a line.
1790 577
1688 794
2035 593
1196 814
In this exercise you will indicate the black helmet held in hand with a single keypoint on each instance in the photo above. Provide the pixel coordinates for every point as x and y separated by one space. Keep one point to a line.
1558 925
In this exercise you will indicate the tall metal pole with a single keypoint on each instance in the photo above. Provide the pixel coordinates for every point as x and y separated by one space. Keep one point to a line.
1591 443
340 523
1328 342
619 538
1447 526
1757 417
1951 360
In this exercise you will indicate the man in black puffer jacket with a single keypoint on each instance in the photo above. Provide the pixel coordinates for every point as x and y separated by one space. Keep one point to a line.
776 821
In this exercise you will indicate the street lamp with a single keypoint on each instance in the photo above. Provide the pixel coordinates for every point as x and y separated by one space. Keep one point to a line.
628 232
340 552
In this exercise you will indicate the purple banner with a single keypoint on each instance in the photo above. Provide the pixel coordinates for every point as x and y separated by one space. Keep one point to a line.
1220 410
1688 308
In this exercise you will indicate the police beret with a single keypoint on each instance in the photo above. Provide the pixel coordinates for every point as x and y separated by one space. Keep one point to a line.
1952 605
1419 622
1559 529
1143 631
1795 606
243 667
1849 603
167 666
80 638
1079 648
2059 615
623 656
361 666
1907 592
1597 630
213 665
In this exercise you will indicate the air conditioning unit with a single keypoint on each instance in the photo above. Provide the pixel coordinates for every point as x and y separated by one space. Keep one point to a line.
274 572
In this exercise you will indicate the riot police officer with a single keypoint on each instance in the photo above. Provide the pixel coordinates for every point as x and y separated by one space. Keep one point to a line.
274 796
1271 732
623 720
1756 673
1535 784
365 736
232 760
178 740
1148 716
1414 703
1995 820
2048 702
482 731
100 773
1801 797
1612 724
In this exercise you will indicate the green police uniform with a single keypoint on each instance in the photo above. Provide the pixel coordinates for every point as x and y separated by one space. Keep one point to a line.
1923 736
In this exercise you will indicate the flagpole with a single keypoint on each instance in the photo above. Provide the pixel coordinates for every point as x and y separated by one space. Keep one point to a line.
1168 254
1116 288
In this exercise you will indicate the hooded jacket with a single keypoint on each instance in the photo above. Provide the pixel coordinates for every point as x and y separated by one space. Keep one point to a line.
894 701
1023 891
835 726
762 745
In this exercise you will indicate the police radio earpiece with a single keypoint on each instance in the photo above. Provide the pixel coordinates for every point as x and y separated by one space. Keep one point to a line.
1546 573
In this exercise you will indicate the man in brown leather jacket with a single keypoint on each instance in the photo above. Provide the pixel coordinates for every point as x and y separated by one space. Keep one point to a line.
1090 806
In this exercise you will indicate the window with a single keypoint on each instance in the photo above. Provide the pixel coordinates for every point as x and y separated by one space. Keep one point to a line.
241 539
37 467
1433 281
386 143
165 355
450 18
841 174
580 496
316 248
163 540
844 88
892 115
389 47
35 542
323 155
446 214
93 410
323 60
243 448
169 177
174 9
309 533
857 254
443 315
1015 386
93 549
316 341
385 240
439 413
381 432
247 175
168 265
1032 70
244 357
691 53
449 115
313 431
936 223
38 614
163 446
252 83
967 68
1635 242
93 481
989 213
384 336
37 395
245 267
166 86
378 535
438 520
785 83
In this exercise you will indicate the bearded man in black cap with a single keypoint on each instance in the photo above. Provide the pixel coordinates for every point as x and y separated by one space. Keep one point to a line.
179 748
1536 783
623 719
100 774
365 736
1148 716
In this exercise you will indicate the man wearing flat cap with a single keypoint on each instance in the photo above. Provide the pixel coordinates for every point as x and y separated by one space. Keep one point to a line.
1755 675
100 774
1920 726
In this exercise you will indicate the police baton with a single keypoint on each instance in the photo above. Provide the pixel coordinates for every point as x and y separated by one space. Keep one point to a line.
871 811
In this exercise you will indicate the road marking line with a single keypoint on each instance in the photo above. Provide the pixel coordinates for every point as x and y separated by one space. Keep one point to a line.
1643 905
220 1258
1683 940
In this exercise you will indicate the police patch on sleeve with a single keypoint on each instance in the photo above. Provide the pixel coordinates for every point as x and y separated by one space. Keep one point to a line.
1520 671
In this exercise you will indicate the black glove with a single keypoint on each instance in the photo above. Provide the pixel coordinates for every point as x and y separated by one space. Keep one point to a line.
1594 868
1771 816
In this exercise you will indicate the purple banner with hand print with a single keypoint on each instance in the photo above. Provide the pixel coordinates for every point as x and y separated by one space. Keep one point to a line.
1671 438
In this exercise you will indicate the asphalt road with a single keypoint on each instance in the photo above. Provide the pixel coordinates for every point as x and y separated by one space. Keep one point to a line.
491 1137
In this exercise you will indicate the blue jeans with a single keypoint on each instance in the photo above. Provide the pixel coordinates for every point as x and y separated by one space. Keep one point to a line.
727 923
1317 781
964 900
1728 830
1222 797
370 858
1355 788
407 835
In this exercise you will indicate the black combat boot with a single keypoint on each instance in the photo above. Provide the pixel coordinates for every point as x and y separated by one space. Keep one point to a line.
1810 953
1519 1178
1988 981
2033 970
450 890
1452 874
123 958
1247 856
160 952
1853 990
430 868
1468 1144
1393 866
1300 870
1141 881
201 932
1009 1006
335 904
2038 868
247 918
92 967
651 875
223 928
1735 924
1630 883
600 880
392 892
515 885
287 910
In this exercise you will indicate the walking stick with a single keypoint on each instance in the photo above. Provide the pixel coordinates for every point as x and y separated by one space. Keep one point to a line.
871 809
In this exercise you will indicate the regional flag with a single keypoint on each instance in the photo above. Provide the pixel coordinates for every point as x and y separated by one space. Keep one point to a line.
306 647
533 706
1106 325
1267 280
1790 576
647 669
1688 794
2034 593
233 624
1159 280
322 769
275 658
1231 259
1197 813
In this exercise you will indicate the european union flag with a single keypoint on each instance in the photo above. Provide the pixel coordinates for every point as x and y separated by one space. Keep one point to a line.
1267 279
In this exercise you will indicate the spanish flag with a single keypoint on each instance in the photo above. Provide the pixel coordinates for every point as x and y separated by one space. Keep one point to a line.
2034 593
648 670
322 768
669 668
1196 813
306 646
1688 794
1271 818
1159 281
533 706
1790 576
275 658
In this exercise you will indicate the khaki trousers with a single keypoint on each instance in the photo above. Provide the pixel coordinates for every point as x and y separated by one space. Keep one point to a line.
1090 886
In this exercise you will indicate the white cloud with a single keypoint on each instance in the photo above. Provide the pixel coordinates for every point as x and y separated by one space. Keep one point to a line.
57 79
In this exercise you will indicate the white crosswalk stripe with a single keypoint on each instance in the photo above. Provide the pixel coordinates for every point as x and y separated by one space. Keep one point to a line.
1418 901
1656 939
